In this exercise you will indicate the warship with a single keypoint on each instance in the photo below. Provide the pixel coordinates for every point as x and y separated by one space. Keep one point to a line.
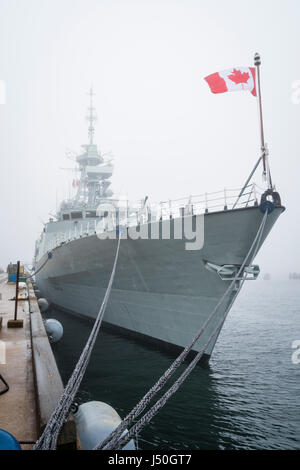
163 291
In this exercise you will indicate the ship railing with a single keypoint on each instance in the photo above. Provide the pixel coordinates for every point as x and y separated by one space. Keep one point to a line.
226 199
139 212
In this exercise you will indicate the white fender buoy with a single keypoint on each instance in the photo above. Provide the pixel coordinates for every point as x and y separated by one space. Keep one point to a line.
95 420
43 304
37 293
54 330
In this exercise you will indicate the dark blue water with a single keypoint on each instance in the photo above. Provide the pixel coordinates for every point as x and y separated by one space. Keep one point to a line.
247 398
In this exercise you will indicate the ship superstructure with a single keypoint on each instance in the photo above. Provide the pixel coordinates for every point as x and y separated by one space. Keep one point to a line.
95 172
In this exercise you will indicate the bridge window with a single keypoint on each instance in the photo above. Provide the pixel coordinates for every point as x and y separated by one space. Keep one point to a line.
66 216
76 215
90 214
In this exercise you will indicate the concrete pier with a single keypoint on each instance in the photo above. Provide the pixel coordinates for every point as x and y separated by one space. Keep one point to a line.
28 366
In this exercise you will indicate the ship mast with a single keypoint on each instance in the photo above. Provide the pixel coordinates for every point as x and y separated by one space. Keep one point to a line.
264 147
91 117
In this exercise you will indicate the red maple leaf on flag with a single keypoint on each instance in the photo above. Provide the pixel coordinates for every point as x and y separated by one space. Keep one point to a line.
239 77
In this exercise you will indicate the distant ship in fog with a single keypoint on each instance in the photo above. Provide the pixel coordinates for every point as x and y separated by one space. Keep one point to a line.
293 276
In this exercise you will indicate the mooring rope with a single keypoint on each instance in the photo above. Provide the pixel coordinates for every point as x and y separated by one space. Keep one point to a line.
50 435
48 439
115 440
5 385
40 268
162 401
243 280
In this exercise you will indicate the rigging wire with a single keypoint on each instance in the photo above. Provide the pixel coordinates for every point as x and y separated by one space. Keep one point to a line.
48 439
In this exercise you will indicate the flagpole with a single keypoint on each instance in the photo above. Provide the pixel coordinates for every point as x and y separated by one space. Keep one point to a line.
266 172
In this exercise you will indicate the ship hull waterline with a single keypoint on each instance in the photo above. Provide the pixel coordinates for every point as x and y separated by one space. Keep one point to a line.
162 292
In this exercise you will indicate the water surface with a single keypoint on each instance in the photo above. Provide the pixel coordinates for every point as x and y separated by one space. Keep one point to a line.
247 398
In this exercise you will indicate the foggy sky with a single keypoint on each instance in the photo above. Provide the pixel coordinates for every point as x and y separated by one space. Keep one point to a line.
170 137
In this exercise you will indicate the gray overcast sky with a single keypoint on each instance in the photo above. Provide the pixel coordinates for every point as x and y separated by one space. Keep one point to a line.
169 135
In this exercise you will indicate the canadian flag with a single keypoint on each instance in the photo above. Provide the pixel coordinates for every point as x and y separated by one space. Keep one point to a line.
236 79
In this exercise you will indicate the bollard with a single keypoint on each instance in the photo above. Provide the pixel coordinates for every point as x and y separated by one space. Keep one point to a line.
15 323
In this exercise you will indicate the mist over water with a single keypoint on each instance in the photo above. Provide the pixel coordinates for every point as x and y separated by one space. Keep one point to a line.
248 396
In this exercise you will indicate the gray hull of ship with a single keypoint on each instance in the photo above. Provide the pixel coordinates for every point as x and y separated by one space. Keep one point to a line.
161 291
